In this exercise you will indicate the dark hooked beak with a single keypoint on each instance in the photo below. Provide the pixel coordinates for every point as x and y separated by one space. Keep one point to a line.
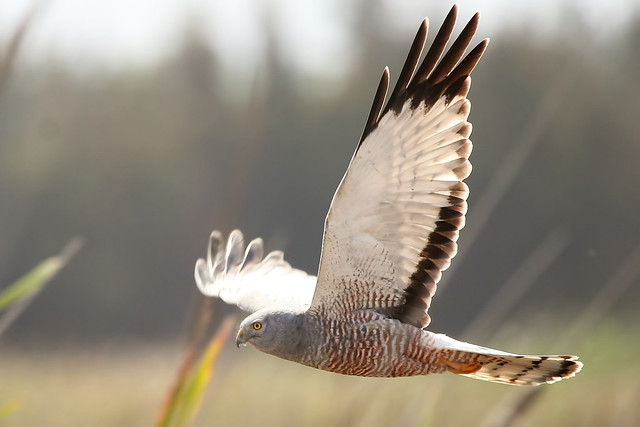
240 339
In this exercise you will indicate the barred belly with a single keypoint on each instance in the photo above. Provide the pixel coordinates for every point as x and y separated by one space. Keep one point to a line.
372 345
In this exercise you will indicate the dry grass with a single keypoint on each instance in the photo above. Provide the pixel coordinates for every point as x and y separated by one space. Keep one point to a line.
124 385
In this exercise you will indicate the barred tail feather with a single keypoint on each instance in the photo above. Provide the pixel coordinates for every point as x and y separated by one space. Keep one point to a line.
526 370
498 366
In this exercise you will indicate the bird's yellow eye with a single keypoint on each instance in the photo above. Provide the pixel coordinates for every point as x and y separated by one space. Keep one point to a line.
257 326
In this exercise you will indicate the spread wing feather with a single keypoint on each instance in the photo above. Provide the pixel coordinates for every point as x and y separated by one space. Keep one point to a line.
394 220
241 276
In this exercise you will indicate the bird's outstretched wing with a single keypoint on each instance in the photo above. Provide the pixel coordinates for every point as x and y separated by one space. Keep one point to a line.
243 277
393 223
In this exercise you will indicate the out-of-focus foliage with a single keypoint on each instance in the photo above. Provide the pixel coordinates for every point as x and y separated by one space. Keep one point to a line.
7 408
15 297
145 163
183 402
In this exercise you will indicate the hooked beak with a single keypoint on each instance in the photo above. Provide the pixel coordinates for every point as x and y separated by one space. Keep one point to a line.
240 339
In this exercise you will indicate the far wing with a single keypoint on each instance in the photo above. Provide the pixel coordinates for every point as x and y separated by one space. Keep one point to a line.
243 277
393 223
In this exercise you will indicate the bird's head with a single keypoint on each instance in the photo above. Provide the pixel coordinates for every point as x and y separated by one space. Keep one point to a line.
270 331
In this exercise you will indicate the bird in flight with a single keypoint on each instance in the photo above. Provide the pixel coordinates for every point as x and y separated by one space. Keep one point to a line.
390 232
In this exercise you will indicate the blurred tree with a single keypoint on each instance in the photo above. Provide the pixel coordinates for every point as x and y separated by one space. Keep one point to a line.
144 163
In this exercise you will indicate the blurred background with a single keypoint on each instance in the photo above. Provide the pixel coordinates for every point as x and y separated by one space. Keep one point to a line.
143 125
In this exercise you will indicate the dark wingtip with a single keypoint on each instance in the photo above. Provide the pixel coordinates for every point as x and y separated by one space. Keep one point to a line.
376 107
409 67
453 11
433 78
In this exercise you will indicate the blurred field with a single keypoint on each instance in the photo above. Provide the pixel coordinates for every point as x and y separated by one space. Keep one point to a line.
119 384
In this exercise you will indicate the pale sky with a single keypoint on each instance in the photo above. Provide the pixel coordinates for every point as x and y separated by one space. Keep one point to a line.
112 34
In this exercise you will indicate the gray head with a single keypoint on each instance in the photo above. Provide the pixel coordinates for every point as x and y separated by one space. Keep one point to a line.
276 332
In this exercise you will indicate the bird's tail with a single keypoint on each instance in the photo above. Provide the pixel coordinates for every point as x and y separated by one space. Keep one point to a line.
497 366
